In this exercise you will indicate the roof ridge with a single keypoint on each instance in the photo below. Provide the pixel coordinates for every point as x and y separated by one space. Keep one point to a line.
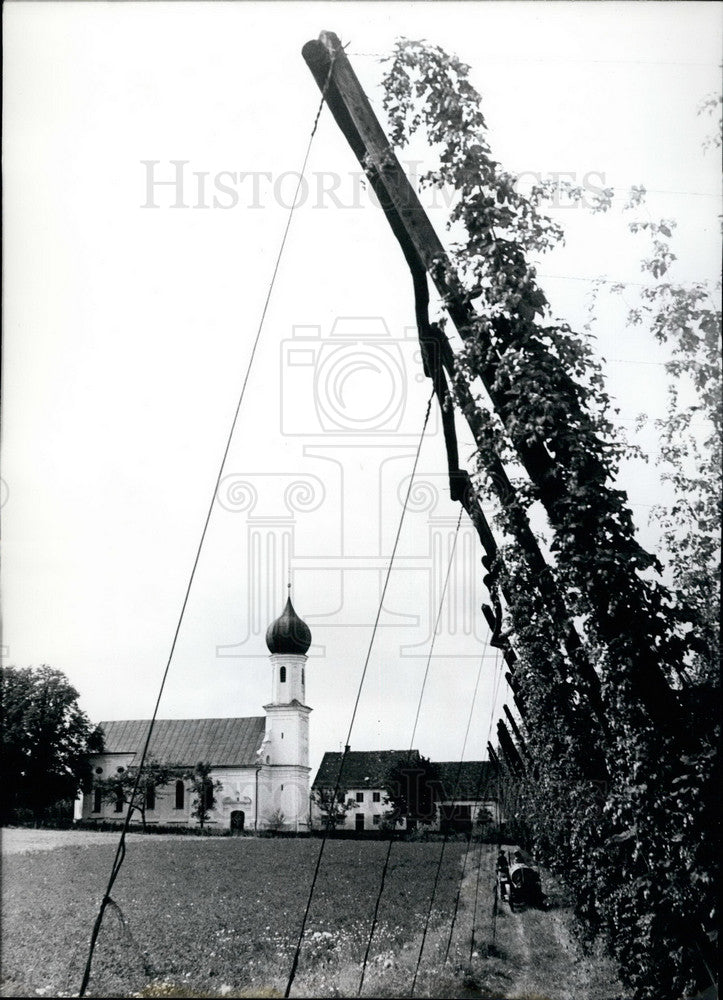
210 718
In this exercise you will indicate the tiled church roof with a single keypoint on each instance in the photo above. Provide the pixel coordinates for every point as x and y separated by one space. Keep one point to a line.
361 765
221 742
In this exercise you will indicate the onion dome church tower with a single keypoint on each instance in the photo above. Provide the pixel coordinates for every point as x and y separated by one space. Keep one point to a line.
284 753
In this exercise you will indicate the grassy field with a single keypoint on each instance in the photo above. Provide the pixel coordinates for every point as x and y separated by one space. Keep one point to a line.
220 918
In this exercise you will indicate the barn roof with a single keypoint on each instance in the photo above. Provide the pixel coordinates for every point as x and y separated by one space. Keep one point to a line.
362 768
221 742
466 781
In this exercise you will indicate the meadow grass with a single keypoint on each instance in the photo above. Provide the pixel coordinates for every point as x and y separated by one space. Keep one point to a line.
210 918
220 918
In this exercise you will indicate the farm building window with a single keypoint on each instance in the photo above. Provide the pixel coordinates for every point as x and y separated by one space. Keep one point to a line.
118 804
282 674
376 819
151 797
376 796
360 796
180 794
97 800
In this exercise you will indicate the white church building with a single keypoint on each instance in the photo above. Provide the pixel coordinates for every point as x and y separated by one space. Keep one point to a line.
262 762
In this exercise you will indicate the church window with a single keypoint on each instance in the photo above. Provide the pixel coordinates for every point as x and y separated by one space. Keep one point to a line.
303 676
360 796
97 800
282 788
180 794
376 796
118 804
282 736
208 794
150 796
99 770
282 674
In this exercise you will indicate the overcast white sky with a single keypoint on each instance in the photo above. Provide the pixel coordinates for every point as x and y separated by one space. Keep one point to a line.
128 329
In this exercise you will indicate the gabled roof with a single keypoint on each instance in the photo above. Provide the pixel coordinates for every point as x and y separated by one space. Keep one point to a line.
362 768
220 742
466 782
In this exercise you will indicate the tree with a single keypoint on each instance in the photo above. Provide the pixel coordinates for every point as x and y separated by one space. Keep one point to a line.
332 805
138 790
412 792
276 821
45 743
204 790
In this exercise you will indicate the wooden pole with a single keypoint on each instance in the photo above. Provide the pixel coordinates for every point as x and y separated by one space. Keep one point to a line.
424 253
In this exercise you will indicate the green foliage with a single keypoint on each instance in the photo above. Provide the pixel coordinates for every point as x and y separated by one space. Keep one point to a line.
411 792
203 789
275 820
333 805
45 741
619 799
139 790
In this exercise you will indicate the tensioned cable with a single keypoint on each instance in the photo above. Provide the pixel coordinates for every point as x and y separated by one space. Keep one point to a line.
495 686
297 952
436 883
385 867
496 896
121 850
477 790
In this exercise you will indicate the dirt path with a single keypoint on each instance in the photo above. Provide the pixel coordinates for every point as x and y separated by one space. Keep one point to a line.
533 954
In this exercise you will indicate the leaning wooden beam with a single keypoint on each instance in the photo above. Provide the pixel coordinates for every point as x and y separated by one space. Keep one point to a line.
509 750
425 254
409 221
422 248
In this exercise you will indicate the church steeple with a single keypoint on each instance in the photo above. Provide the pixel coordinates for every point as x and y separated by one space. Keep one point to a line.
285 748
289 633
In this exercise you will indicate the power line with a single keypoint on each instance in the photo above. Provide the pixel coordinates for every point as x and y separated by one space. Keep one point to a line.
479 781
297 952
411 745
564 61
121 849
439 862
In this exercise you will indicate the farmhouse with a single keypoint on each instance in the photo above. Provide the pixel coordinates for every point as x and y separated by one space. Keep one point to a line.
459 794
262 762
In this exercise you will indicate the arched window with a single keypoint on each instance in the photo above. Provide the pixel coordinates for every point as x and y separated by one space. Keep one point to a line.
97 800
150 796
118 804
208 794
282 674
180 794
